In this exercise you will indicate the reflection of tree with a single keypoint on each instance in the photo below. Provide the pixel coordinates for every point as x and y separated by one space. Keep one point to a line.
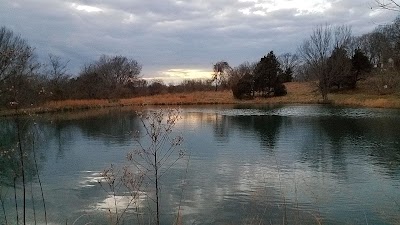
382 137
114 126
110 126
374 137
334 138
106 125
266 127
60 134
221 128
54 130
8 154
10 163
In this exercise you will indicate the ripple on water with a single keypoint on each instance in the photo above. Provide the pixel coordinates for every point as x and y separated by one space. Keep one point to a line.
303 111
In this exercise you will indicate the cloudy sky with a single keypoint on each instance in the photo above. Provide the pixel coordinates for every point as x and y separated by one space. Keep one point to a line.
178 39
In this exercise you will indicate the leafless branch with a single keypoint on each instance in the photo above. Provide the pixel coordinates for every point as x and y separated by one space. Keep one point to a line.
388 5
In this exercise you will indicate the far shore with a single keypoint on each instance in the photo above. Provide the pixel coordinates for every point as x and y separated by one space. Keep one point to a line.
298 93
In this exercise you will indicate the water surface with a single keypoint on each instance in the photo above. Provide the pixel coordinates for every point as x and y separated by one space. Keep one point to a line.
268 165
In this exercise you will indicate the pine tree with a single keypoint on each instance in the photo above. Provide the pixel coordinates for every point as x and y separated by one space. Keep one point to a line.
266 74
360 66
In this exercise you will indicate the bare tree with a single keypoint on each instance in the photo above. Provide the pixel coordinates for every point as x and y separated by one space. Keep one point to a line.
12 48
235 74
318 48
118 70
389 43
288 60
157 151
315 52
162 152
112 75
18 66
220 69
156 87
56 71
289 63
376 46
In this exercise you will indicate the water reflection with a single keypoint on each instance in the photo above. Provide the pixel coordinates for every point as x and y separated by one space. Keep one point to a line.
110 126
298 164
10 150
319 160
221 128
372 137
266 127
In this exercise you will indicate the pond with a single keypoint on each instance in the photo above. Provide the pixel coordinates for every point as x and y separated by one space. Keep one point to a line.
301 164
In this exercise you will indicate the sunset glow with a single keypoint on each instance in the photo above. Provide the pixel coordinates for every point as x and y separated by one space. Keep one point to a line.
180 74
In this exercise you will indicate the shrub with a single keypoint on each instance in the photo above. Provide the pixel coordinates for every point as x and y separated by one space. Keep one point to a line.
280 90
243 88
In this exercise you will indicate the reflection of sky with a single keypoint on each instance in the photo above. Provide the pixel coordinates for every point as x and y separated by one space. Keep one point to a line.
323 185
238 169
121 202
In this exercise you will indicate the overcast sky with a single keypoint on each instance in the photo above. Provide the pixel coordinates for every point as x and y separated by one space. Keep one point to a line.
177 39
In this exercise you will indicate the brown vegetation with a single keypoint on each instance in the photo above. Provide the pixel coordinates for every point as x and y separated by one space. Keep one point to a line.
298 93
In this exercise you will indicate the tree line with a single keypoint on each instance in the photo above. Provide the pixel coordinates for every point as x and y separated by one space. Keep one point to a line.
337 60
25 81
262 79
331 57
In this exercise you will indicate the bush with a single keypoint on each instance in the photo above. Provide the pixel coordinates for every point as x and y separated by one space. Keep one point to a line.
280 90
243 88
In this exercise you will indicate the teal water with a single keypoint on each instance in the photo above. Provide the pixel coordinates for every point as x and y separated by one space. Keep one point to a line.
260 165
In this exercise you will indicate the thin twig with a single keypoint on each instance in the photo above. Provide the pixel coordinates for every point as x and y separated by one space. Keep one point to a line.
391 5
3 207
33 204
38 176
21 154
366 220
76 220
15 198
280 188
178 221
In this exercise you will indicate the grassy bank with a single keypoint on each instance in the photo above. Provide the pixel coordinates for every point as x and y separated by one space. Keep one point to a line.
298 93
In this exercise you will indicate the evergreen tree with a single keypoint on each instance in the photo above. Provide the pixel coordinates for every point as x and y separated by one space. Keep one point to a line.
360 65
266 74
339 68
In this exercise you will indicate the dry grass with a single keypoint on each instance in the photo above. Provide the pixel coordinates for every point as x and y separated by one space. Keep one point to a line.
298 93
367 101
366 96
194 98
73 104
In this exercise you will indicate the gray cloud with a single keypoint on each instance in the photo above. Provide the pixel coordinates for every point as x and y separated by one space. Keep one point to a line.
172 34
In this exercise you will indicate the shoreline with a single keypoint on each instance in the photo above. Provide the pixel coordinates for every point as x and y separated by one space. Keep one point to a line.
298 93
